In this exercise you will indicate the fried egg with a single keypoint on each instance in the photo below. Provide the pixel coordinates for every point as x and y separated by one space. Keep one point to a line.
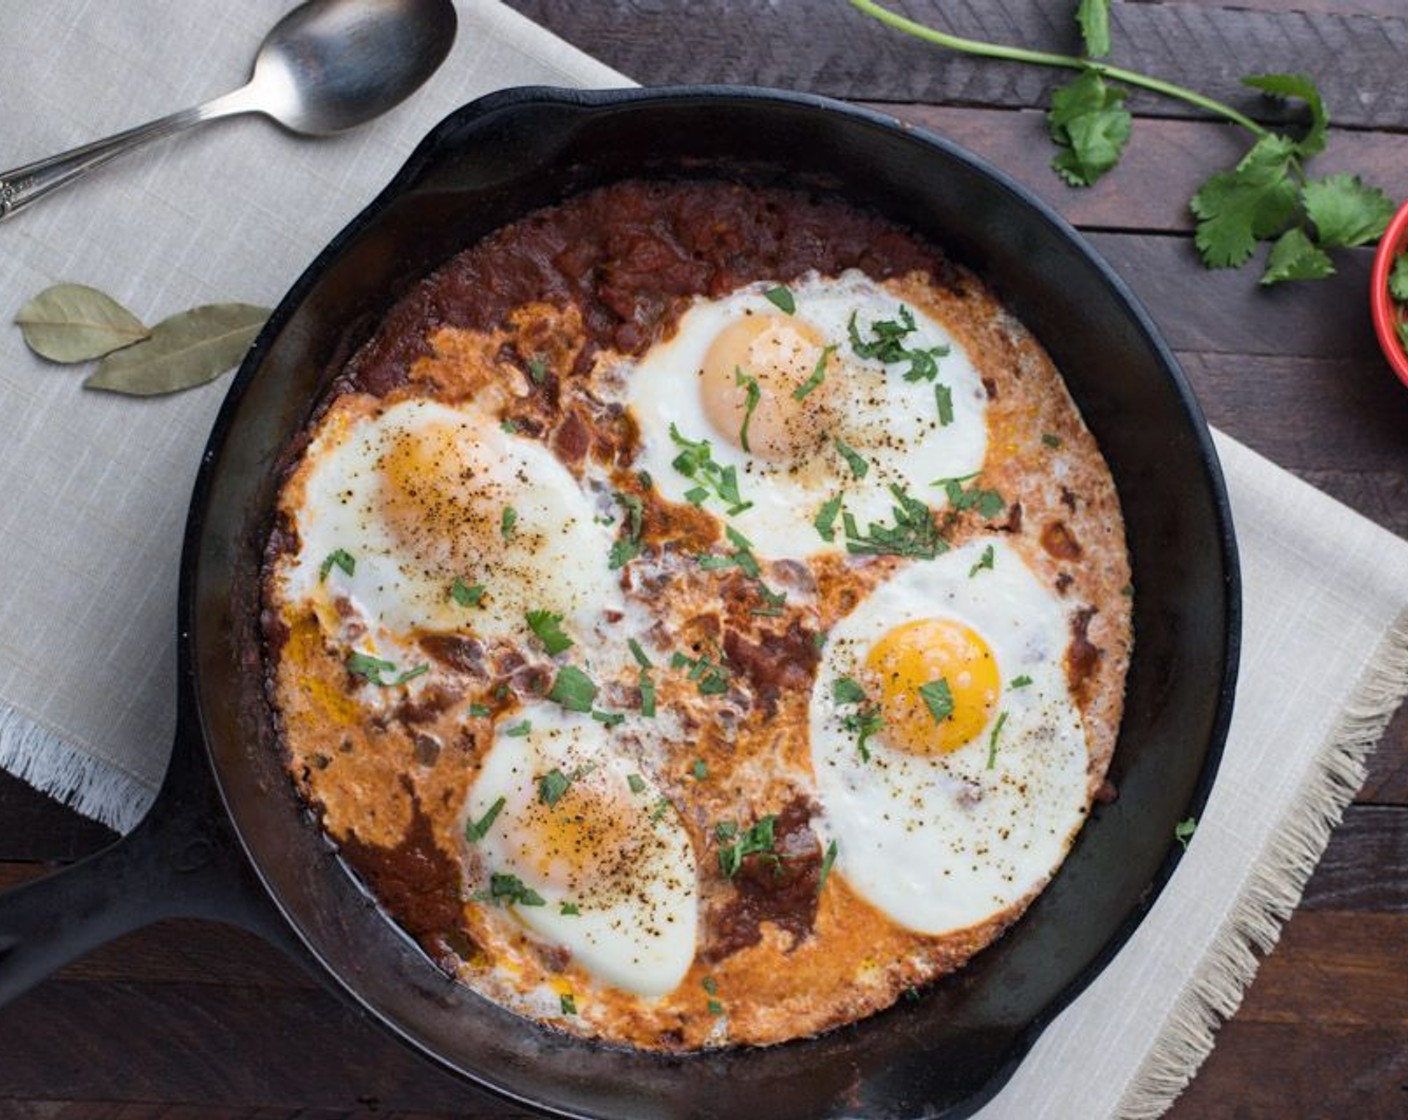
766 414
427 517
949 755
584 850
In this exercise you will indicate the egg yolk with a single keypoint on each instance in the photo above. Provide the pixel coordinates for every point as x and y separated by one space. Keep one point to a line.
583 839
442 513
921 715
772 359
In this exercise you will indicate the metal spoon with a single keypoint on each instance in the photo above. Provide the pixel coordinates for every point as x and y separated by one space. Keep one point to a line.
326 66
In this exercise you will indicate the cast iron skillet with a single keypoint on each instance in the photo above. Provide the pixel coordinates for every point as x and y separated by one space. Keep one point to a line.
228 839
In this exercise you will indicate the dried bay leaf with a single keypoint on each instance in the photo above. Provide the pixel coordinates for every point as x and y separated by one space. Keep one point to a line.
76 323
185 350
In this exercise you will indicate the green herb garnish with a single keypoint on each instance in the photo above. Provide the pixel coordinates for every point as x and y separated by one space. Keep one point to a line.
537 370
782 299
507 890
1183 831
825 520
913 534
700 770
943 401
519 729
710 678
372 669
695 461
477 830
827 859
985 561
865 721
859 467
817 377
1019 682
937 698
547 628
887 344
754 395
636 782
757 839
552 785
627 546
507 521
1052 441
569 1005
466 594
992 739
337 558
988 503
573 689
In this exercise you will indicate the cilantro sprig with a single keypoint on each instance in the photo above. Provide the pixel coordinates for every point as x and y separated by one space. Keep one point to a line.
374 670
913 534
1266 197
864 720
696 462
736 845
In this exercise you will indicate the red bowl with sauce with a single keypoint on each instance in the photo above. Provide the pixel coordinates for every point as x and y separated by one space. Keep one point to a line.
1382 306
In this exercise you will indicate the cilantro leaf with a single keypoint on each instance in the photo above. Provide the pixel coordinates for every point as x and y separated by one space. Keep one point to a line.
825 520
1300 86
1346 211
992 739
1094 19
985 561
552 785
1183 831
371 669
509 889
938 698
754 394
913 533
477 830
781 298
696 462
340 558
465 594
547 628
1398 280
827 859
573 689
1088 120
845 690
567 1003
1296 257
627 546
1255 201
859 467
756 840
817 377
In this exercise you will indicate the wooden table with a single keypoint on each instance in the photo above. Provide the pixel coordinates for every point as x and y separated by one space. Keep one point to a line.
171 1019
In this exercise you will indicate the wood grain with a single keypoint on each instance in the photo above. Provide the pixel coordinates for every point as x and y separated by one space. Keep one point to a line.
833 49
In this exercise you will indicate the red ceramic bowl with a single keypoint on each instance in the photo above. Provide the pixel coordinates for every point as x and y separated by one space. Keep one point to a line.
1381 305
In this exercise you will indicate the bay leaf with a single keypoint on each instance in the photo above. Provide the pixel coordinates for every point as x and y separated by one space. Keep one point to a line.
76 323
185 350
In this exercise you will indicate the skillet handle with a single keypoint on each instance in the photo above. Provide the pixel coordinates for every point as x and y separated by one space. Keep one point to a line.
182 860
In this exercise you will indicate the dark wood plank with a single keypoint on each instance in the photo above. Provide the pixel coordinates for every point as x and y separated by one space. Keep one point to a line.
1387 782
834 49
37 827
144 1110
1322 7
1163 166
1322 1030
1365 866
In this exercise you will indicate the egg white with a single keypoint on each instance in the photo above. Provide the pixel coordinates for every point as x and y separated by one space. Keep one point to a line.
407 562
891 423
623 859
942 843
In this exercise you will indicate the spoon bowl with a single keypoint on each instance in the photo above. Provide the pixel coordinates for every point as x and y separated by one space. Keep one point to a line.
327 66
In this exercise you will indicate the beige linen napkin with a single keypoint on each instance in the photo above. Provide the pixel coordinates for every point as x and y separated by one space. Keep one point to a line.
96 489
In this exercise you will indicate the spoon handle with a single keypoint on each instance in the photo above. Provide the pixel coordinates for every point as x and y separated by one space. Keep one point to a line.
27 184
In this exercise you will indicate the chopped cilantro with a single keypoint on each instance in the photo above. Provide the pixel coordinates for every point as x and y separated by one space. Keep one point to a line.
887 344
480 710
711 679
865 721
647 694
710 985
782 299
1094 19
570 909
569 1005
938 698
1183 831
638 653
337 558
509 425
552 785
988 503
913 534
1019 682
825 521
477 830
943 401
371 669
573 689
610 719
537 370
846 691
817 377
1052 441
519 729
985 561
695 461
859 467
700 770
636 782
757 839
992 739
466 594
507 521
627 546
506 890
547 628
715 1007
754 395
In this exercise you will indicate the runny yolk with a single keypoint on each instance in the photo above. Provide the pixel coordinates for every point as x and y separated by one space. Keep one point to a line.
917 655
436 511
779 355
584 840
